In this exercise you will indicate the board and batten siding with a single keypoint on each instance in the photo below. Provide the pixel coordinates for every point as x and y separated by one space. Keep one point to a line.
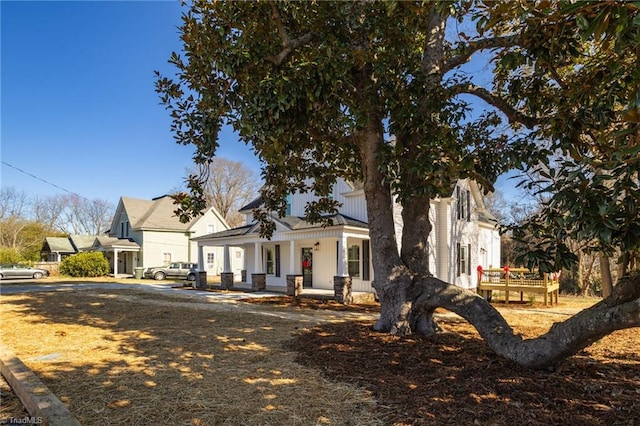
352 202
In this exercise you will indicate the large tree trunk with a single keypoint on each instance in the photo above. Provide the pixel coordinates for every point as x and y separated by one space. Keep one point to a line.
392 279
621 310
415 255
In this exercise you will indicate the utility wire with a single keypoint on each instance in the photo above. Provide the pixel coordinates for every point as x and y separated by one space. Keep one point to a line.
43 180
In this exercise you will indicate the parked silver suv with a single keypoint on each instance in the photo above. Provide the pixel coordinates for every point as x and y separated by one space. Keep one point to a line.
176 271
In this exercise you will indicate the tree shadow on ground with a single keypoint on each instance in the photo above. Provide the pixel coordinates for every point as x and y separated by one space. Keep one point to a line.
454 378
127 357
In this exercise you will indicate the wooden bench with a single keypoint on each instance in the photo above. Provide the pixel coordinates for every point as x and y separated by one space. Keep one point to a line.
520 280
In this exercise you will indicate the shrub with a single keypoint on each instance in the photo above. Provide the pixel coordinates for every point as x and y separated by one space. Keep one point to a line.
88 264
10 255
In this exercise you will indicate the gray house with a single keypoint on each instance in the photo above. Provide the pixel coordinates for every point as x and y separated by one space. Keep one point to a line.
54 249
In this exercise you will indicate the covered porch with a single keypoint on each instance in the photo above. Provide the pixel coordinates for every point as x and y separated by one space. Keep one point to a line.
300 258
122 253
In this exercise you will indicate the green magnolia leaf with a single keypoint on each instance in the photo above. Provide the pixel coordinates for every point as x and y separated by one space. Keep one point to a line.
582 22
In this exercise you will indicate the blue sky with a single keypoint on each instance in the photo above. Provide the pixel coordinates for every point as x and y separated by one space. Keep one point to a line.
79 109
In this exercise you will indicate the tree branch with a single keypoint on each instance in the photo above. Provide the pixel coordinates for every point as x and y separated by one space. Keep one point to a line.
562 340
512 114
288 45
476 46
432 57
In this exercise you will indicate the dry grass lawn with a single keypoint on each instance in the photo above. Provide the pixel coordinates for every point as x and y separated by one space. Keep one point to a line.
134 358
130 357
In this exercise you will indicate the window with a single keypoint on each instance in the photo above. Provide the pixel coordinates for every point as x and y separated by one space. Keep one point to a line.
365 261
463 204
277 260
211 228
272 260
124 229
166 258
463 259
353 256
211 258
269 261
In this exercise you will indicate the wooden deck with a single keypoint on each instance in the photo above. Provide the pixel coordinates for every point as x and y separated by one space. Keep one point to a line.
519 280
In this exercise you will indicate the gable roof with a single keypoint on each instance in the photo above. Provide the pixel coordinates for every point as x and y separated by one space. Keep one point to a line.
82 242
252 205
156 214
58 245
70 244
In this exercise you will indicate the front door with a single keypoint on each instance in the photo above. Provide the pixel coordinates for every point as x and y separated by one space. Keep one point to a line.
307 267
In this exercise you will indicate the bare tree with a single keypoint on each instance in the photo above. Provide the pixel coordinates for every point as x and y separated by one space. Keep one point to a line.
20 235
49 210
73 214
229 186
13 203
88 217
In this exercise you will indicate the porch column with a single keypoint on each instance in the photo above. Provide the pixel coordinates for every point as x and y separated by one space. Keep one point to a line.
442 240
201 276
201 258
292 257
115 262
226 277
258 278
342 281
245 266
257 258
227 259
343 258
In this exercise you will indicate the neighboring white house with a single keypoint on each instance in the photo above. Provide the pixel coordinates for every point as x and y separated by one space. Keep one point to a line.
464 236
146 233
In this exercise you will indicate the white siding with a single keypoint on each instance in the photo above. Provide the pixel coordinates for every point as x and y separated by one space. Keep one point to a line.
156 243
352 202
447 233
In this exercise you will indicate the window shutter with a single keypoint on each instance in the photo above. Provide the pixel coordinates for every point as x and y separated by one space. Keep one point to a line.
365 260
277 260
469 262
458 203
458 259
468 206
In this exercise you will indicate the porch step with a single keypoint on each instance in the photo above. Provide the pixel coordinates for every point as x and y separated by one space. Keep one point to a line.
314 293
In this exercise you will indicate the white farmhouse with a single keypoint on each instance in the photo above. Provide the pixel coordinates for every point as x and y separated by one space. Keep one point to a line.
464 236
